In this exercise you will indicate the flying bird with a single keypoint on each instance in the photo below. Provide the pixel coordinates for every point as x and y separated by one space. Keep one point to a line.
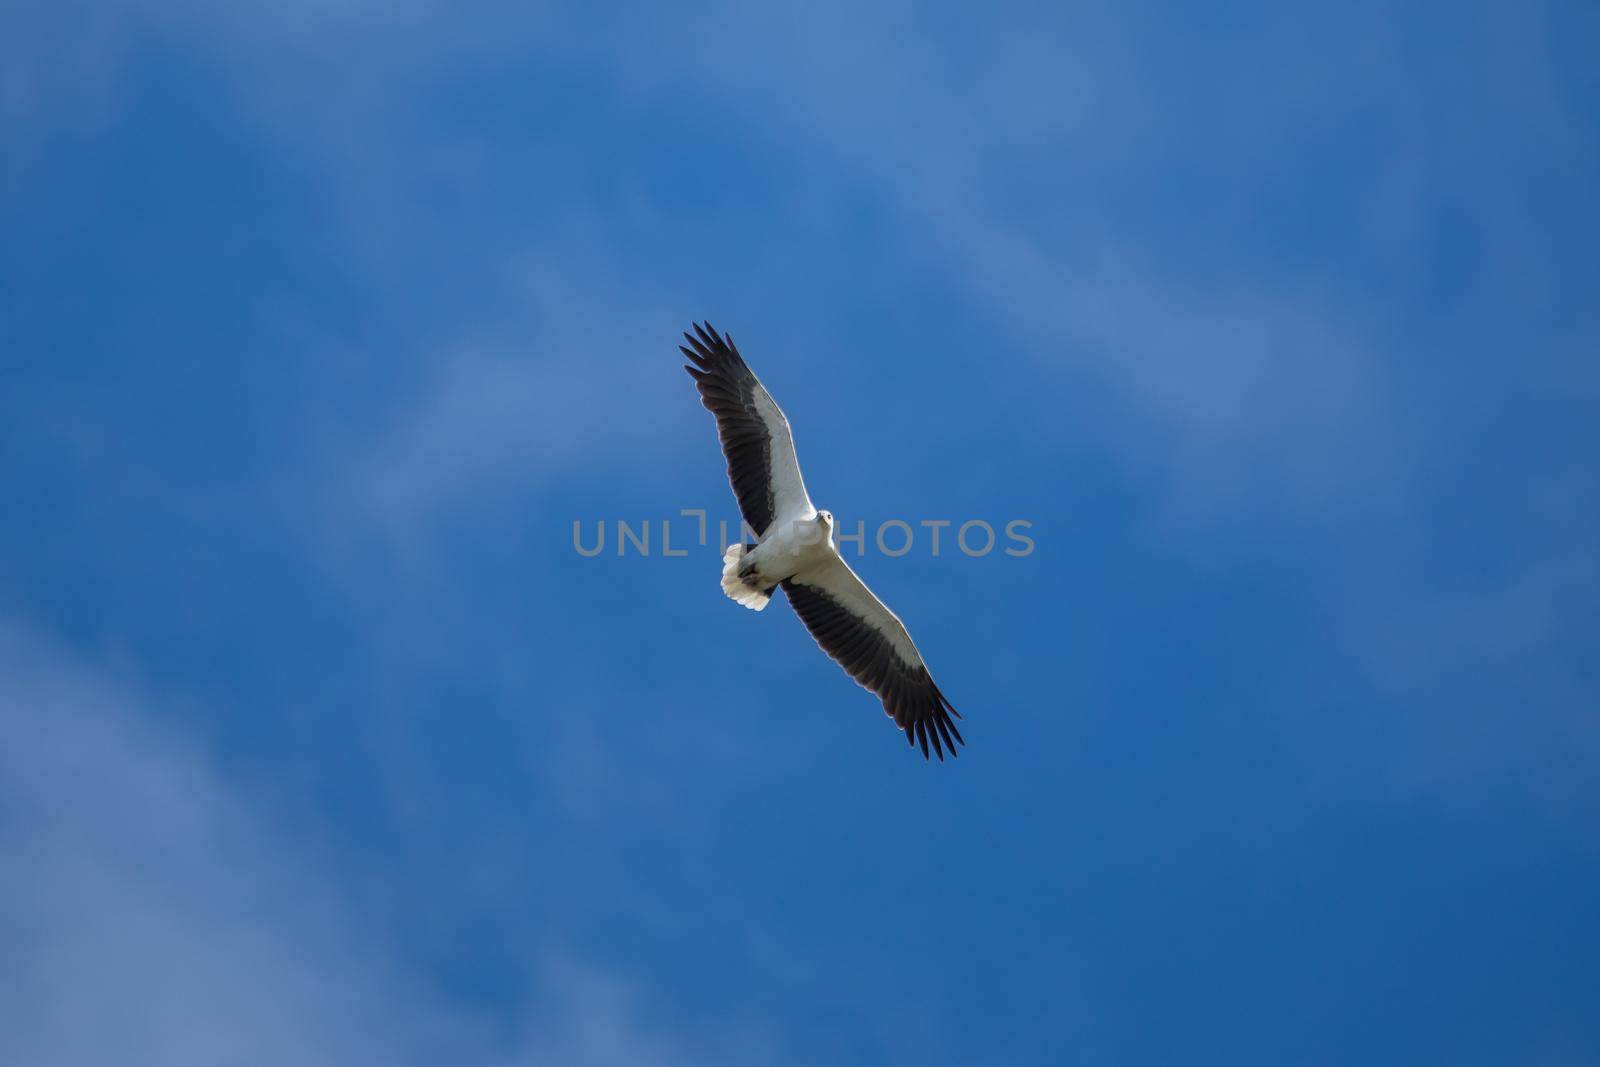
795 550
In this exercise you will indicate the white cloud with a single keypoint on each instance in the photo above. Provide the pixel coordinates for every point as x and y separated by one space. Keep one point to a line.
1229 382
570 385
152 914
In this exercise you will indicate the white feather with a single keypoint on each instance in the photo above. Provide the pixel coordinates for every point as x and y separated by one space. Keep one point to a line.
737 591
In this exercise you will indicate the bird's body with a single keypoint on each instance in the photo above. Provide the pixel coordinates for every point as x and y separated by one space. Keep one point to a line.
789 546
795 550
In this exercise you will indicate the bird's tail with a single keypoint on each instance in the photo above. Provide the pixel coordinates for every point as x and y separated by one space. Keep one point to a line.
742 588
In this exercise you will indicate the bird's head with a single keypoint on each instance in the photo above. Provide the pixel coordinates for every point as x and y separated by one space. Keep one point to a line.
825 527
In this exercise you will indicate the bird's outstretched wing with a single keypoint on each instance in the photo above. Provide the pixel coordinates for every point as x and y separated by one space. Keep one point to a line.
871 643
755 435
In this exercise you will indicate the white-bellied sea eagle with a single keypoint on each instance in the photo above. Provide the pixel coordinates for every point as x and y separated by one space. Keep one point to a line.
795 550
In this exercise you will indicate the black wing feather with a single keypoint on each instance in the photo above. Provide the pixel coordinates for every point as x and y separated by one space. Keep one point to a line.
908 692
728 390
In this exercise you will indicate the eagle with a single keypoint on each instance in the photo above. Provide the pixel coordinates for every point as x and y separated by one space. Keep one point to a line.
795 549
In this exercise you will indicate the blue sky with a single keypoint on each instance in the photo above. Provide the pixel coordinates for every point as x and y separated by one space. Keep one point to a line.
320 324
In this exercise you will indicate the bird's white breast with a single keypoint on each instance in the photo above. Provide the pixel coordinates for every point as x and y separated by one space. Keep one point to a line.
789 546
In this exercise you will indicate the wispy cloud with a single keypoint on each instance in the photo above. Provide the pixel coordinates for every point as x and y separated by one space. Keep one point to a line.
154 912
568 385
